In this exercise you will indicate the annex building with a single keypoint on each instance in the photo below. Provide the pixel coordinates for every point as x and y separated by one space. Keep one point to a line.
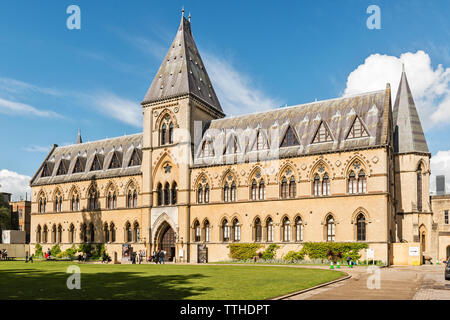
350 169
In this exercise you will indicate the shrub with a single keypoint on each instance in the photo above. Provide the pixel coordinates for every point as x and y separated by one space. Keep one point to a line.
68 253
55 250
98 252
293 256
321 250
85 248
270 252
243 251
38 251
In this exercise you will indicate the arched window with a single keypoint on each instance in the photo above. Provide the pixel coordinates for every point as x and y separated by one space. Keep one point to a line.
352 182
330 229
38 234
284 188
200 194
136 232
112 231
292 187
54 234
225 231
45 234
286 230
114 201
58 202
316 186
135 198
206 227
130 199
128 232
71 233
269 227
171 132
362 185
60 230
166 194
325 185
105 233
197 231
298 229
233 191
262 190
159 194
92 232
174 193
84 233
163 134
226 192
93 199
419 188
109 201
207 193
361 228
253 190
42 203
236 230
258 230
75 202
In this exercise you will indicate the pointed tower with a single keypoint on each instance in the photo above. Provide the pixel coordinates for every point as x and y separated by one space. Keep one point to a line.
79 139
412 171
180 97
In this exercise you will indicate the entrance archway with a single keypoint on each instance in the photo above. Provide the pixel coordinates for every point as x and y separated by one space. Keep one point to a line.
166 241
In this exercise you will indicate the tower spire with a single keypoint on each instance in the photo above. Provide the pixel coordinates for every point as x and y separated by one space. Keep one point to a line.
79 139
408 132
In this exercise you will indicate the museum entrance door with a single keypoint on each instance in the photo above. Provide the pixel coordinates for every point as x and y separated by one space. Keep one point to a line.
167 242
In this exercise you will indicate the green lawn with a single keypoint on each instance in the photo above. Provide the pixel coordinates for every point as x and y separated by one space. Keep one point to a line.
47 280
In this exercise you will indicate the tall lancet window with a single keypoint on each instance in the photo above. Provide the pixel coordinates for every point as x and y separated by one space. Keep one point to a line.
419 188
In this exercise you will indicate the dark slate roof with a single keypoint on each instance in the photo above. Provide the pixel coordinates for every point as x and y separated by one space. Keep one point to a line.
183 72
373 110
408 133
86 152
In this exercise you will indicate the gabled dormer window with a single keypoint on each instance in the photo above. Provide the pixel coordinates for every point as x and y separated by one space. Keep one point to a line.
46 171
135 160
61 169
115 163
323 134
78 166
357 130
96 164
290 138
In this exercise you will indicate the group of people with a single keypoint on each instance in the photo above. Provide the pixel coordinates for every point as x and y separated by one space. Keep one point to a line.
4 254
158 257
105 257
137 257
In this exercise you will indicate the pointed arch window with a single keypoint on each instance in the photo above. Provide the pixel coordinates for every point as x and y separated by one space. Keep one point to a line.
60 231
361 228
38 234
286 229
419 188
93 199
174 193
253 190
269 227
292 187
71 233
75 201
58 202
92 232
226 192
284 188
164 134
54 234
135 199
325 185
130 203
262 190
298 229
200 194
225 231
84 233
166 194
316 185
96 165
236 230
207 193
42 203
330 229
159 193
171 132
290 138
197 231
45 234
233 192
362 184
112 231
128 232
352 183
105 233
207 230
136 232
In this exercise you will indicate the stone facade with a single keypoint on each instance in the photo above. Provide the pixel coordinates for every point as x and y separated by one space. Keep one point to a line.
194 182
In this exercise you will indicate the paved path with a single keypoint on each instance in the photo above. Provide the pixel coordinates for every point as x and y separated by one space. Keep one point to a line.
395 283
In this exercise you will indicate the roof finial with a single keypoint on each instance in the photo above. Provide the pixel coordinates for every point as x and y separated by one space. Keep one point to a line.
182 11
189 17
403 67
79 140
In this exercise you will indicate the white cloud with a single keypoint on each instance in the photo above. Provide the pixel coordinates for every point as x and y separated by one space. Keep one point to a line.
15 183
12 107
124 110
430 87
440 165
236 92
17 86
35 148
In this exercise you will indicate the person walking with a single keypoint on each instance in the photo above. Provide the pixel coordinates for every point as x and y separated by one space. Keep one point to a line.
162 257
26 257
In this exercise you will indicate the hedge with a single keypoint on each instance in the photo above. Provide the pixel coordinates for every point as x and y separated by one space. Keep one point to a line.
270 252
243 251
292 256
321 250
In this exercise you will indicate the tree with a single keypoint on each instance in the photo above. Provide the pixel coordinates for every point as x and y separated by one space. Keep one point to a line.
5 215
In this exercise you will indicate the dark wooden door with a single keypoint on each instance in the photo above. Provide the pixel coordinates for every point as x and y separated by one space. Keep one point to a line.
202 253
168 243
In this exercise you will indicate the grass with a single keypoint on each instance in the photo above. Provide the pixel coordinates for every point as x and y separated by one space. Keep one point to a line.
47 280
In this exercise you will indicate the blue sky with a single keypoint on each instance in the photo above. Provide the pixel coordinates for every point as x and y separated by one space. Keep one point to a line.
54 80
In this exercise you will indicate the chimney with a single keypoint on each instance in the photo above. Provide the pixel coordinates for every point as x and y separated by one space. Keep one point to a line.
440 185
